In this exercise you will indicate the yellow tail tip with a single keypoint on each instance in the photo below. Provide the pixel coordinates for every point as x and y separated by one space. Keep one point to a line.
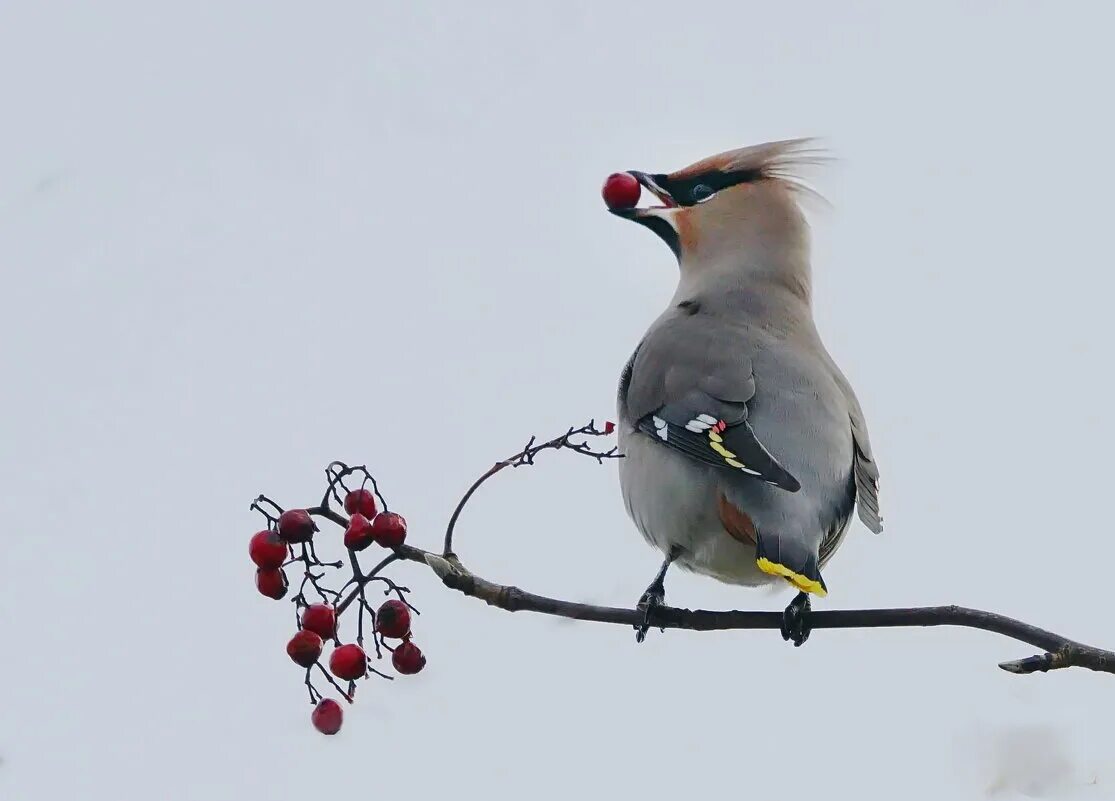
803 583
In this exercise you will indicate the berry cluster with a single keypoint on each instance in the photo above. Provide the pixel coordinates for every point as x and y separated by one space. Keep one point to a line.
290 540
292 536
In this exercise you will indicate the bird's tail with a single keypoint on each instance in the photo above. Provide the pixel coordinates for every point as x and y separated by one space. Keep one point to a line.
794 560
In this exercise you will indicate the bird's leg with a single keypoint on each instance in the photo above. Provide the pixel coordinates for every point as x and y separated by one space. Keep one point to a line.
655 595
795 620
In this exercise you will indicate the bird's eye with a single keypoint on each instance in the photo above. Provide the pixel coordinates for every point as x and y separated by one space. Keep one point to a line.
701 192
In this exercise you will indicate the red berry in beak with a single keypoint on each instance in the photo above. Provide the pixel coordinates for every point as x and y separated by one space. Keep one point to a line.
304 648
359 534
621 190
321 619
327 716
271 582
393 619
267 550
389 529
361 501
348 662
296 525
408 659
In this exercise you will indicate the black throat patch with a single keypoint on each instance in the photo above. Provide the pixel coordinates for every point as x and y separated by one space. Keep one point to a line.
664 230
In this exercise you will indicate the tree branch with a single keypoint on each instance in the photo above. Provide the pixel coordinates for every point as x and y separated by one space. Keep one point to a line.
1061 652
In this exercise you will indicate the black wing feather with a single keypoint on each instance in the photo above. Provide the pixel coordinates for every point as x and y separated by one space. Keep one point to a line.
729 446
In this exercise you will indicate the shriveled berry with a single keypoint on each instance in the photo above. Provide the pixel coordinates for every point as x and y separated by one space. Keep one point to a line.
609 426
271 582
359 534
621 190
348 662
327 716
296 525
408 659
393 619
321 619
361 501
389 529
304 648
267 550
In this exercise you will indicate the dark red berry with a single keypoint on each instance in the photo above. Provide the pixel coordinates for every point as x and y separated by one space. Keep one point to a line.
304 648
296 525
327 716
408 659
393 619
389 529
359 534
348 662
267 550
621 190
361 501
271 582
321 619
609 427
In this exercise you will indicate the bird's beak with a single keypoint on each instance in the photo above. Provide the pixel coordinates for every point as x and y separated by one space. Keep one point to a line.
649 183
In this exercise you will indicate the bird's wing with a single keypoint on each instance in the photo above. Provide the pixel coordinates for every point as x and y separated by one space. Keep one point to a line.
867 474
688 388
863 464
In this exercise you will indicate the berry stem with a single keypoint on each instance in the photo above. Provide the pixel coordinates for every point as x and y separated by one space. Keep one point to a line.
347 696
337 472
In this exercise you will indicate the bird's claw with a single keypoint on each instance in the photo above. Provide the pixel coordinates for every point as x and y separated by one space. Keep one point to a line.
795 620
654 597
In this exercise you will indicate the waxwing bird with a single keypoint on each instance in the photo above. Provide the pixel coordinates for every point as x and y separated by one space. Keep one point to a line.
745 447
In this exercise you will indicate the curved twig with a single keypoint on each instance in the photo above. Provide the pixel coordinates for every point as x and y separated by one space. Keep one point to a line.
447 548
526 456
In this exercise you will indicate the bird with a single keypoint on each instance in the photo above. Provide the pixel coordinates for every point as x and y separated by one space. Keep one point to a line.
745 449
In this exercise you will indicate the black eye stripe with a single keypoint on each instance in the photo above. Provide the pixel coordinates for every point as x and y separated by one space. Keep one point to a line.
692 190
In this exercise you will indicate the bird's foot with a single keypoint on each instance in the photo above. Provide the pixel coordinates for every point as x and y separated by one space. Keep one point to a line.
654 597
795 620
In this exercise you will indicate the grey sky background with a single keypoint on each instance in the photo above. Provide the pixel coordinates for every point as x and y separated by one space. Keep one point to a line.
241 240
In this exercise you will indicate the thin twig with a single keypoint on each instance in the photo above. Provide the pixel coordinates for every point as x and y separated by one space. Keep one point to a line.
347 695
525 457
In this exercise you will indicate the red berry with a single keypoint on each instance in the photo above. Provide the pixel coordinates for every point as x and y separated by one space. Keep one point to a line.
359 534
408 659
361 501
327 716
321 619
304 648
621 190
267 550
296 525
609 426
389 529
393 619
271 582
348 662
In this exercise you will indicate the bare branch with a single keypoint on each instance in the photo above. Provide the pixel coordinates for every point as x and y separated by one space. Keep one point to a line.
1061 651
526 457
